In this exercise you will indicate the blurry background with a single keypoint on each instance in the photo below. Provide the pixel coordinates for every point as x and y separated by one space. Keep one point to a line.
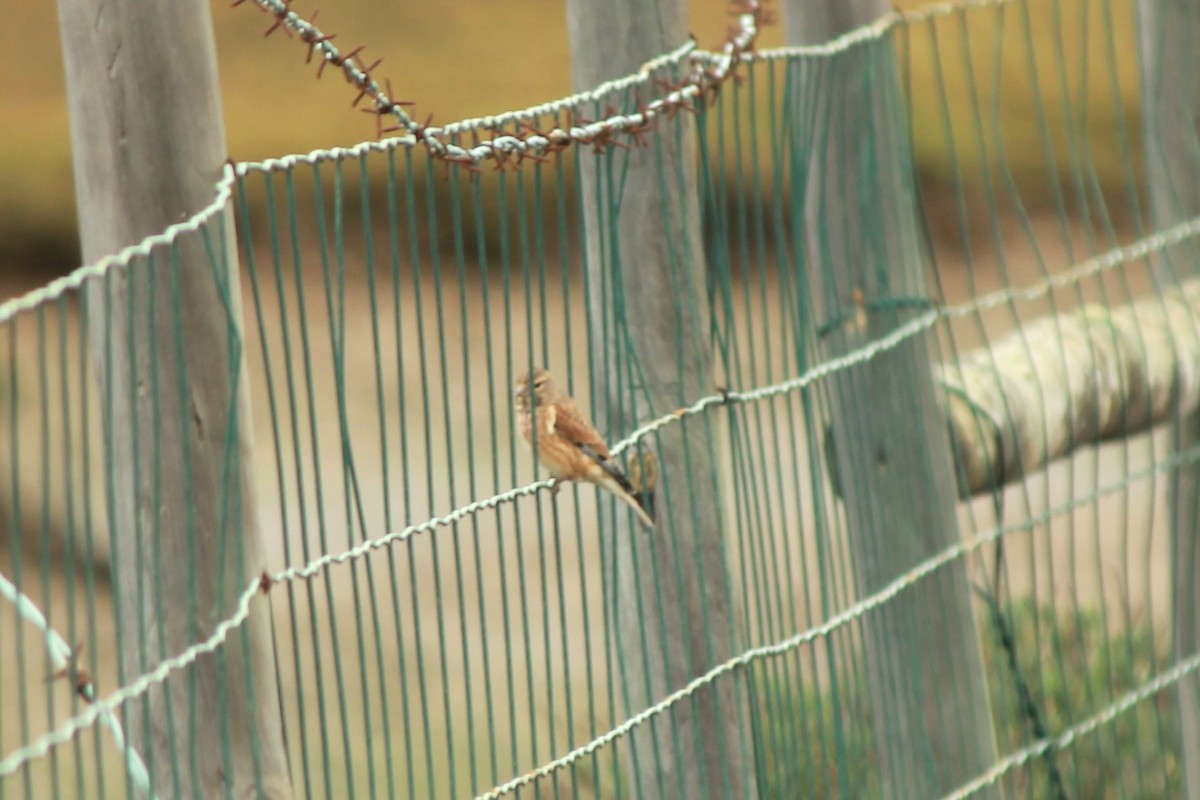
1026 140
479 57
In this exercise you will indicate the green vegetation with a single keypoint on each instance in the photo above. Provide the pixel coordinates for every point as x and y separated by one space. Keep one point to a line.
812 742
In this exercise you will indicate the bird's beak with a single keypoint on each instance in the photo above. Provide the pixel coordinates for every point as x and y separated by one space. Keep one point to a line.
520 391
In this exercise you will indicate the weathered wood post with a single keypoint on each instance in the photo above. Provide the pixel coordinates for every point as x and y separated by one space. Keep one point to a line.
645 256
1169 30
149 145
933 723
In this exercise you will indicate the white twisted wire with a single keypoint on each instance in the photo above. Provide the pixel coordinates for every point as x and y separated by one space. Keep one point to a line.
434 137
485 150
923 322
64 659
101 711
1064 740
863 607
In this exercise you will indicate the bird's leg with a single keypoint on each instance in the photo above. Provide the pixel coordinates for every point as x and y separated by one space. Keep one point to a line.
557 487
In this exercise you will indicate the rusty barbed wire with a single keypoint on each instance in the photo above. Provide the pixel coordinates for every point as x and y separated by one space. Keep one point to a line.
699 86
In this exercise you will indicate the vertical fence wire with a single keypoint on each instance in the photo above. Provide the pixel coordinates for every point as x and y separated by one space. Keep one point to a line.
392 303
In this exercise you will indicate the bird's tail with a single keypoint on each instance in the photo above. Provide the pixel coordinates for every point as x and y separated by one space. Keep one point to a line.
620 486
642 514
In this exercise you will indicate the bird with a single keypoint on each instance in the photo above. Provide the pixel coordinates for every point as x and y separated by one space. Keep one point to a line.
567 442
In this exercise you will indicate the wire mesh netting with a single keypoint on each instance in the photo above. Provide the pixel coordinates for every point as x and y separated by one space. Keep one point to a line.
444 626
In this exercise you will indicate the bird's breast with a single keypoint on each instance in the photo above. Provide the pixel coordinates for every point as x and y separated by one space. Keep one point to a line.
545 424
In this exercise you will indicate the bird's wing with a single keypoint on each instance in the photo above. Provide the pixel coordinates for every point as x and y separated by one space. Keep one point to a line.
570 424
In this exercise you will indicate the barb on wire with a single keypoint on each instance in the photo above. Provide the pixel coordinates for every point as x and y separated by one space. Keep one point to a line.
707 73
66 665
506 148
872 31
701 82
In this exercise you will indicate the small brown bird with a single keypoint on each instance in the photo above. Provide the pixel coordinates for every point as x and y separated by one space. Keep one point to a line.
567 442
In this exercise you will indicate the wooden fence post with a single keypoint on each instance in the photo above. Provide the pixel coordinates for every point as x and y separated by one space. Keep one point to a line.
1169 30
149 145
676 605
933 724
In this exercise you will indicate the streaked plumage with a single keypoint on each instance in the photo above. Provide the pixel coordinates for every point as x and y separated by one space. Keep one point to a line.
567 442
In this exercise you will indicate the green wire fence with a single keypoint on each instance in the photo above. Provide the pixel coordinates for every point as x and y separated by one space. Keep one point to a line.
443 626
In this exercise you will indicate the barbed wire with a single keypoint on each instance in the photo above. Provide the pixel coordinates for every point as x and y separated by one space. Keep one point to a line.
919 324
870 32
706 76
66 665
232 171
709 69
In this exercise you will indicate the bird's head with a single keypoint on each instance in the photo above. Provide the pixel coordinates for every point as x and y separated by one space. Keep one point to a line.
535 388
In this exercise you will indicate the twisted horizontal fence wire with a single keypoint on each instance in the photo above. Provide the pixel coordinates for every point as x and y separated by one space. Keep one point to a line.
65 660
402 199
100 710
478 154
1156 684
